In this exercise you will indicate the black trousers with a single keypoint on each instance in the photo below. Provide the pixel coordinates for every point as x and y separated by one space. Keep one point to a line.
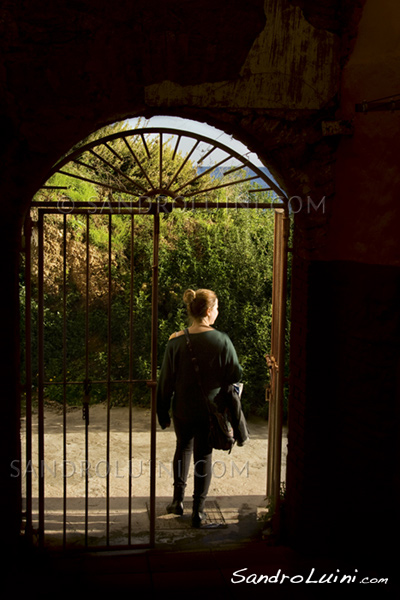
192 440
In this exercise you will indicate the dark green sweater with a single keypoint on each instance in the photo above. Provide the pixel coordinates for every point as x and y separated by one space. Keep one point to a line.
177 384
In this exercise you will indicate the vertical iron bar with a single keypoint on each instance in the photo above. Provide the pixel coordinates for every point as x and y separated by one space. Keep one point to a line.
28 373
272 375
161 159
154 322
86 398
64 376
176 147
278 354
108 381
41 378
284 231
131 305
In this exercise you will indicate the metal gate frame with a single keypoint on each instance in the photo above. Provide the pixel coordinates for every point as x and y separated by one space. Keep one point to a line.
87 382
275 360
276 364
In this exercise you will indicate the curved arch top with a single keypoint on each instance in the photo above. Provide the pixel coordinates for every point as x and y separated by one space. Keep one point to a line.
103 161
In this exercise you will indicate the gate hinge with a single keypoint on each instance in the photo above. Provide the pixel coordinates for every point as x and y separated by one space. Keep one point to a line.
271 362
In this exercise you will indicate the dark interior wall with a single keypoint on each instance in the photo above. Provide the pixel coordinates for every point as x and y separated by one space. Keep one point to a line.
344 456
268 73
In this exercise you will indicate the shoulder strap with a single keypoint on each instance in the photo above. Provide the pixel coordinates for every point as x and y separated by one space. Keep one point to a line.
196 369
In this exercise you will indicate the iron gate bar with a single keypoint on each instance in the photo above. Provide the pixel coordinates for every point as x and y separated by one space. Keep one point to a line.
176 147
145 145
277 360
96 381
86 409
28 374
106 185
113 151
156 234
131 357
54 187
83 164
206 155
108 384
138 162
82 208
218 187
64 376
41 379
206 172
152 208
161 160
132 181
232 171
185 160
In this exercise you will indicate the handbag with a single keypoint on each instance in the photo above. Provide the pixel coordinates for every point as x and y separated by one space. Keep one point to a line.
221 436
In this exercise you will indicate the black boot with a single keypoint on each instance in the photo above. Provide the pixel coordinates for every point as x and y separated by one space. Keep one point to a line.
176 506
198 514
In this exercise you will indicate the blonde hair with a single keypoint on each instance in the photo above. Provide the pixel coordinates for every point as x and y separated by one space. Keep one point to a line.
198 302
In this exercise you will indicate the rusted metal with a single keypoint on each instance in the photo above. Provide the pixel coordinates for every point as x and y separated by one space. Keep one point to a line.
131 357
275 362
86 382
183 163
160 166
154 331
206 155
219 187
145 145
138 162
117 170
113 151
41 379
176 147
28 376
108 377
64 293
121 189
206 172
141 132
153 207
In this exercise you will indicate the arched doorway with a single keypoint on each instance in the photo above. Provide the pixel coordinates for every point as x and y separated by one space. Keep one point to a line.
131 179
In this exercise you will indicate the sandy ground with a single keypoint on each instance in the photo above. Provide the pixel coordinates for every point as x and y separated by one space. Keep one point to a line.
236 501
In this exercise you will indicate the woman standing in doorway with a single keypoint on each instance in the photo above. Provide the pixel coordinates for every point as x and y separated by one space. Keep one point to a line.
178 389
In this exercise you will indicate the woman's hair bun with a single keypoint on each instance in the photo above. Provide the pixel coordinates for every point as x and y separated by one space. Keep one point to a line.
199 302
189 296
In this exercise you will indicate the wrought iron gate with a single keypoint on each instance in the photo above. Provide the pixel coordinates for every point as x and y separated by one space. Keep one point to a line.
51 516
88 518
